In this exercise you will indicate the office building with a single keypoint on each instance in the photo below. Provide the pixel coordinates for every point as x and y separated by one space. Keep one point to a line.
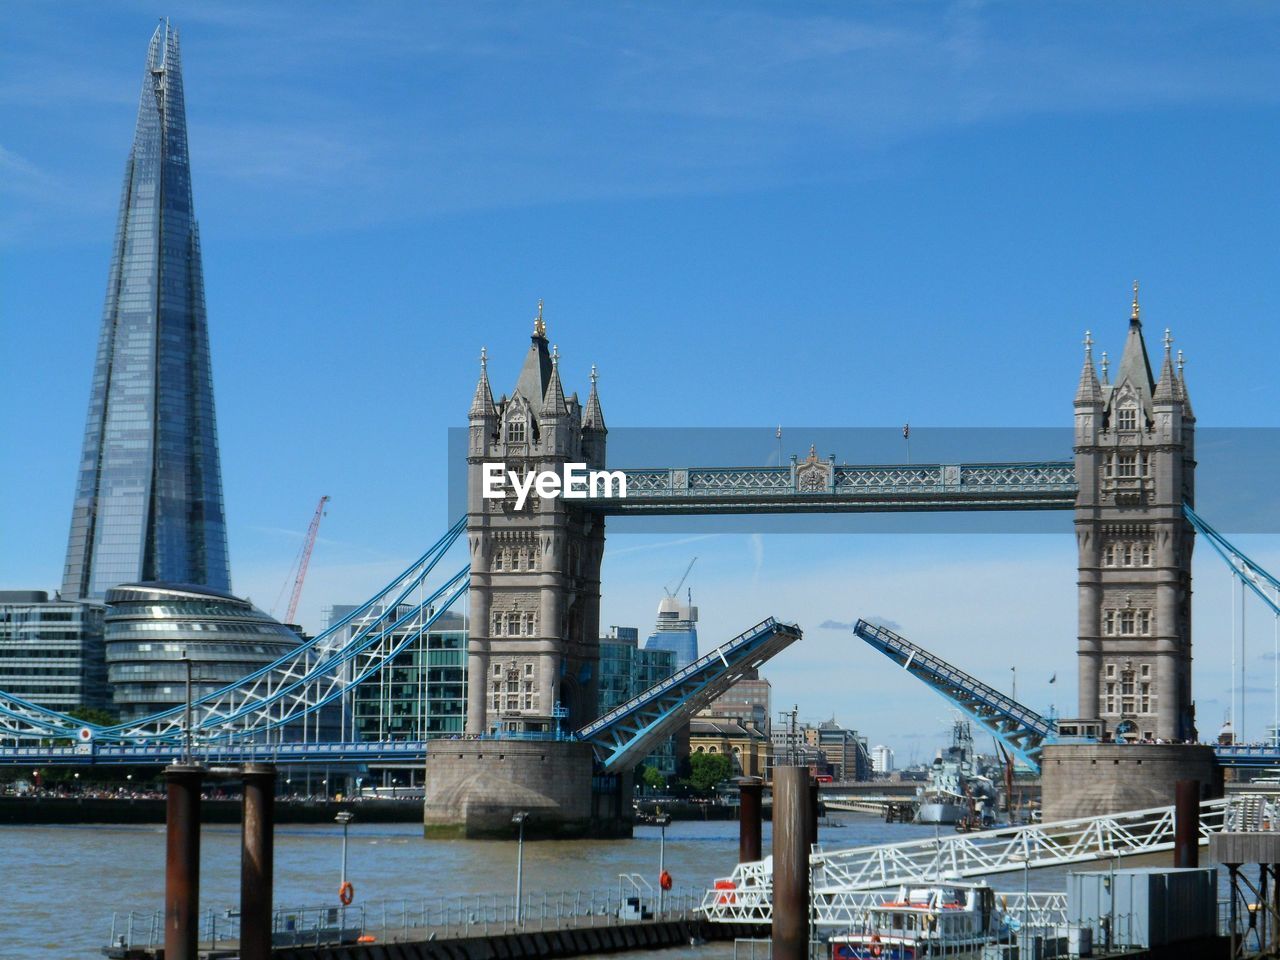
51 651
626 671
746 702
148 503
846 752
421 692
881 759
746 746
676 630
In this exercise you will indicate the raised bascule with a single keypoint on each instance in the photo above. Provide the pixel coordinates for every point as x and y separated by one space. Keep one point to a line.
532 575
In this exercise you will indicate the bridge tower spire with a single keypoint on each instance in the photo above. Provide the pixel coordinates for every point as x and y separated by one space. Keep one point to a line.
1135 465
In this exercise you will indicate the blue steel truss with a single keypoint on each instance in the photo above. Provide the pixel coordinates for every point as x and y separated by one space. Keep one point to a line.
821 486
1018 727
305 680
1022 730
627 734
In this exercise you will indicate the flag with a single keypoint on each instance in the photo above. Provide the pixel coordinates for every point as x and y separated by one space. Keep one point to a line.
906 431
1054 678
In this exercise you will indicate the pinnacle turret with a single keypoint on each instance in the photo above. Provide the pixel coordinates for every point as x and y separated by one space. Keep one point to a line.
1181 389
482 402
553 404
1088 392
1167 389
593 416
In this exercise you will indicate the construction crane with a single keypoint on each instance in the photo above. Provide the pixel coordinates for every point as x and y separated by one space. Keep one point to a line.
672 593
304 558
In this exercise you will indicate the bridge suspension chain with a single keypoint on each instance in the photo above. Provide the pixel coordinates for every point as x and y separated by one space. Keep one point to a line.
303 681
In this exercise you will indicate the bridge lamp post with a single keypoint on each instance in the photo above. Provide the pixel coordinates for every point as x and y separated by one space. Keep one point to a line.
518 819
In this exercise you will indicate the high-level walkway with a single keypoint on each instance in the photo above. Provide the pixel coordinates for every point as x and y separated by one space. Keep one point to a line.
841 878
820 486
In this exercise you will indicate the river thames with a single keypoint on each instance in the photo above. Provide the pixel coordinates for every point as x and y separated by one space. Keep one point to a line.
64 882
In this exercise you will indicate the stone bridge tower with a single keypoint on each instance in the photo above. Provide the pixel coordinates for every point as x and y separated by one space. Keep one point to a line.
533 651
1135 462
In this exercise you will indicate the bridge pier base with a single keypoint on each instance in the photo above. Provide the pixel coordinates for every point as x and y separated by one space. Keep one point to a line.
475 787
1092 779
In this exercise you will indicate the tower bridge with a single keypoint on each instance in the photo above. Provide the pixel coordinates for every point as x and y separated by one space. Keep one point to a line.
533 582
815 485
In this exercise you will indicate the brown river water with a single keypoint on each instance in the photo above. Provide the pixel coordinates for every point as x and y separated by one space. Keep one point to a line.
64 882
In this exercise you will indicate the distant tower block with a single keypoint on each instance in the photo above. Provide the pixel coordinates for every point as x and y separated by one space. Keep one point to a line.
1135 462
535 572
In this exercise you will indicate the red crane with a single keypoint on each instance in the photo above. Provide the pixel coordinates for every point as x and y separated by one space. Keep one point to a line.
304 558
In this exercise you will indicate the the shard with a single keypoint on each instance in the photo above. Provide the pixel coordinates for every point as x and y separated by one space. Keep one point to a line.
148 501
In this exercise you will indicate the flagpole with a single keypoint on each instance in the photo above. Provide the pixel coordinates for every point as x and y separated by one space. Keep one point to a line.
906 437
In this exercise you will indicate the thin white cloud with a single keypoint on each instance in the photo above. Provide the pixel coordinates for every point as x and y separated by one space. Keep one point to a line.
349 122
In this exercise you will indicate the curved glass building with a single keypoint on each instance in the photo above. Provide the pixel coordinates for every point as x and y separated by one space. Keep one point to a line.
149 626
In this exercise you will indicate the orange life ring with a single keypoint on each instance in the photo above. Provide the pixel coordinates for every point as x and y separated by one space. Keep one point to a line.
346 893
875 944
664 880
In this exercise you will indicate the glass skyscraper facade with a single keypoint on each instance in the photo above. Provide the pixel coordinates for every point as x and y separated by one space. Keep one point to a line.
676 630
51 650
421 692
148 503
627 671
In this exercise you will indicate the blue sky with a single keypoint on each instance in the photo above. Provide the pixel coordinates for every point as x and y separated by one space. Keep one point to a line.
819 214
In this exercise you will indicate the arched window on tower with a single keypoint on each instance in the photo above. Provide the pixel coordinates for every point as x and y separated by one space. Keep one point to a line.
516 432
1127 417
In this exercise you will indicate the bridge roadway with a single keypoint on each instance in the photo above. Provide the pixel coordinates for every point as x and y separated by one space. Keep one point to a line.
413 751
822 486
389 751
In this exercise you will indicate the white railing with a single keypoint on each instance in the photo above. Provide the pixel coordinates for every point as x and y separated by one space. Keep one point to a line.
842 879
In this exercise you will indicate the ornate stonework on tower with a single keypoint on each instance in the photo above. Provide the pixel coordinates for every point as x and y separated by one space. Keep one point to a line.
1135 463
535 572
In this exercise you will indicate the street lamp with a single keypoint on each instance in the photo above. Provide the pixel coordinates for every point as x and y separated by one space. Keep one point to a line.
186 716
518 819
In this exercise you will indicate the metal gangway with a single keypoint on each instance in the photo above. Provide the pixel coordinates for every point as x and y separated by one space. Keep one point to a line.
1040 907
629 732
843 879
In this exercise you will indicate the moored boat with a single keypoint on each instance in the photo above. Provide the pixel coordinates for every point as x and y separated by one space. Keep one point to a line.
951 919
